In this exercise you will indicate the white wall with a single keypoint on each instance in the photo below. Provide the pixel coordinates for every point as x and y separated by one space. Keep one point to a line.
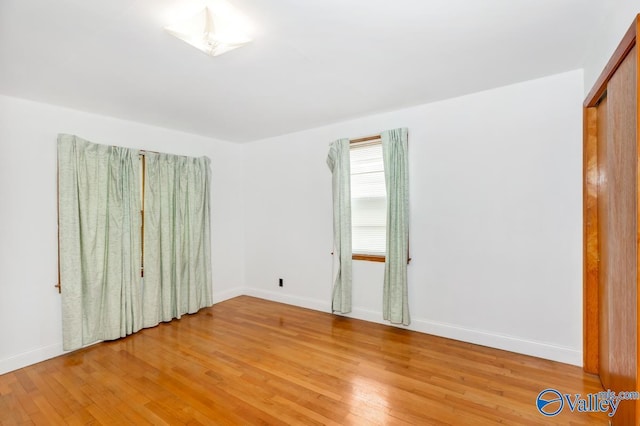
495 215
30 318
614 23
495 212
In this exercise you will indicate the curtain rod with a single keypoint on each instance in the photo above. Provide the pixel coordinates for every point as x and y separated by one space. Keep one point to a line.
365 139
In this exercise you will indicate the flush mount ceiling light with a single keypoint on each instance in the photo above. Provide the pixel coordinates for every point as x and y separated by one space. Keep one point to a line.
212 32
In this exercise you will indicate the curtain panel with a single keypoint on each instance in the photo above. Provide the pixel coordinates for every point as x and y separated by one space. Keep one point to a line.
396 168
99 226
100 200
177 236
339 164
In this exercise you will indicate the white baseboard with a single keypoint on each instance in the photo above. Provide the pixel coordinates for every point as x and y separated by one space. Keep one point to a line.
479 337
303 302
228 294
31 357
535 348
505 342
35 356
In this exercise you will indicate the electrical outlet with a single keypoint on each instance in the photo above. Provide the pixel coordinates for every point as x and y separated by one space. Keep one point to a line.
280 282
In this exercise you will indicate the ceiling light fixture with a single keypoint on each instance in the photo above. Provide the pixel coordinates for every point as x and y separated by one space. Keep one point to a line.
214 33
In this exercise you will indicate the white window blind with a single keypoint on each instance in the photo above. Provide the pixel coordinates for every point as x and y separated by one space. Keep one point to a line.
368 199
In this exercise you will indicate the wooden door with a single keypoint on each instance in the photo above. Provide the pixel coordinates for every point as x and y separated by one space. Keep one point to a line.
623 219
611 217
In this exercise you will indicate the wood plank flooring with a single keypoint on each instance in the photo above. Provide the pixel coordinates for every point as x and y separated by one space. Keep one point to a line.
248 361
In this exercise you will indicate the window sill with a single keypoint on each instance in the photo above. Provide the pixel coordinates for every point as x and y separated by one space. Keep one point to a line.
372 257
369 257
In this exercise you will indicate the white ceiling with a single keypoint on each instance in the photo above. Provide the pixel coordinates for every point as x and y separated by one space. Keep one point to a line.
312 62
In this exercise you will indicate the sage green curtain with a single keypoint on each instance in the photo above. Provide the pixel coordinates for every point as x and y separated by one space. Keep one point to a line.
339 164
396 170
177 237
99 237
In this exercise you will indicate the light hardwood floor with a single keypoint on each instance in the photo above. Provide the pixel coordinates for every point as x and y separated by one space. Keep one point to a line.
249 361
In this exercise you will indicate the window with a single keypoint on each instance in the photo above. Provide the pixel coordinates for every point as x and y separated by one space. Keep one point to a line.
368 201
